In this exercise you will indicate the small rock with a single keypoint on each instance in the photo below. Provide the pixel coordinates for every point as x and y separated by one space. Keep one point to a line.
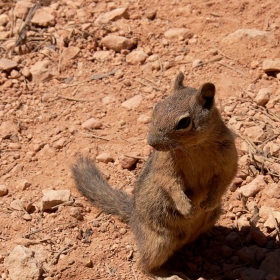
254 64
47 151
253 274
263 96
22 184
151 14
22 8
27 217
4 35
43 19
254 187
270 222
251 255
7 64
112 15
76 213
104 157
60 143
196 63
258 236
53 198
15 146
133 102
108 99
175 33
144 119
232 237
249 34
3 190
117 43
7 129
101 55
22 264
15 74
4 19
91 123
136 57
271 65
235 273
226 251
127 162
271 264
69 53
89 264
254 132
123 231
273 191
40 71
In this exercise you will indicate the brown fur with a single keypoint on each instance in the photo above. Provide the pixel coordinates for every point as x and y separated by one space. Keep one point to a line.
178 193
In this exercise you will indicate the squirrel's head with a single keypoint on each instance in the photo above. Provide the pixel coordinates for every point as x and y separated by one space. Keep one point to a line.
184 118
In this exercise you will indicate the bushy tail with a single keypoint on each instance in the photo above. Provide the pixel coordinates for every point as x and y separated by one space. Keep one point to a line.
92 185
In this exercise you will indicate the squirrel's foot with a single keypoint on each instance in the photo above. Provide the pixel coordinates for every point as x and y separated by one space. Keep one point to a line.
186 208
208 205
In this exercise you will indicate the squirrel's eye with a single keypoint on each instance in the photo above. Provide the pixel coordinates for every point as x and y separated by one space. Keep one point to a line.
183 123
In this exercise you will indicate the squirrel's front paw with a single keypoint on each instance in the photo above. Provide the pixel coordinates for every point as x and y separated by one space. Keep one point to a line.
186 208
208 205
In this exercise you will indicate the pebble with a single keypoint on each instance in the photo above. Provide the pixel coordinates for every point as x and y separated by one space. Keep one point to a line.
226 251
7 64
53 198
133 102
7 129
117 43
245 34
112 15
251 189
175 33
144 119
4 19
69 53
22 184
101 55
270 222
43 19
254 132
41 72
136 57
151 14
3 190
127 162
196 63
251 254
271 263
271 65
91 123
60 143
22 264
15 146
252 274
76 213
89 264
104 157
22 8
273 191
258 236
263 96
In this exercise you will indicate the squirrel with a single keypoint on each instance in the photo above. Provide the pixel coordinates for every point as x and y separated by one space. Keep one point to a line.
177 194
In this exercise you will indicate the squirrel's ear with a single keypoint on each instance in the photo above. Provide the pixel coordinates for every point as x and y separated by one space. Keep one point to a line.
206 95
179 81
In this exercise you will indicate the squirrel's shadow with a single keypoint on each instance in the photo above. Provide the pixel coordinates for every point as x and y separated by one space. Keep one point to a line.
222 253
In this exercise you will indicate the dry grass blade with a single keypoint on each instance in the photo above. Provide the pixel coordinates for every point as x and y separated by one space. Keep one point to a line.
22 34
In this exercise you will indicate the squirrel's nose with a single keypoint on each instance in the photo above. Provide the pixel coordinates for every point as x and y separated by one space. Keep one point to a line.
157 142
